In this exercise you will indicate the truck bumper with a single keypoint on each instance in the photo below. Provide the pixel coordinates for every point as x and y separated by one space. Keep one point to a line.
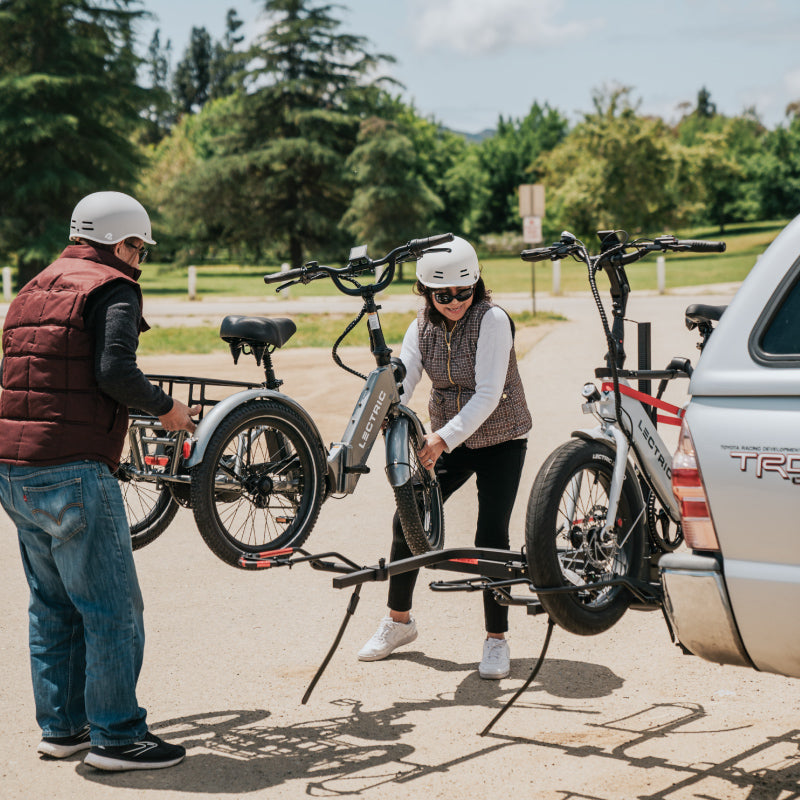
697 604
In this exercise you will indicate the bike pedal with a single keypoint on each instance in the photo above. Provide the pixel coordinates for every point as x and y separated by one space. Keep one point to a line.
361 469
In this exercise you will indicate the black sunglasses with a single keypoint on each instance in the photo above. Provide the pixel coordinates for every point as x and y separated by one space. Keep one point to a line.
143 251
445 298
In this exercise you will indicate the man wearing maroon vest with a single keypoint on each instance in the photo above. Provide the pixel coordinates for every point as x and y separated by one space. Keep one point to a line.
69 373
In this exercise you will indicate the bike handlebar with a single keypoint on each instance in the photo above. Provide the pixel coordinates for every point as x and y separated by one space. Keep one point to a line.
537 254
290 275
700 246
312 270
616 255
418 246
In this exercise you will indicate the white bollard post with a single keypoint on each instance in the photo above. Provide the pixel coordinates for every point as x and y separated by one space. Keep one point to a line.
193 283
557 277
285 292
661 274
7 284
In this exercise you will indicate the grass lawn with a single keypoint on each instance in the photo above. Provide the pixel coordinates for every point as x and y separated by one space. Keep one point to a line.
502 273
313 330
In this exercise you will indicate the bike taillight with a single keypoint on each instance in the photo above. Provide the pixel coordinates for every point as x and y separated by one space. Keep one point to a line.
687 486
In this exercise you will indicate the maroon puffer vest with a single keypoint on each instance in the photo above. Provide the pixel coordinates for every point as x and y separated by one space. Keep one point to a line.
51 409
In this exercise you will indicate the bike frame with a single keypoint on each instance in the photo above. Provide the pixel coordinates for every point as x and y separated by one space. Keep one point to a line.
642 444
377 408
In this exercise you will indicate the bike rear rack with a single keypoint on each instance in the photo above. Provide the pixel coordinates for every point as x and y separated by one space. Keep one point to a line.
155 453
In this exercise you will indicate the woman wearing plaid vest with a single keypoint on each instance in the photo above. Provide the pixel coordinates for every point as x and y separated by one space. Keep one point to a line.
479 423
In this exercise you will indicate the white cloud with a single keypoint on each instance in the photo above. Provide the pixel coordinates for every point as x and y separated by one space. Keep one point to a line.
485 26
792 82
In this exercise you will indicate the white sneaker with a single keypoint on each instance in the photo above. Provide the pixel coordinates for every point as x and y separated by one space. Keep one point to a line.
496 661
389 636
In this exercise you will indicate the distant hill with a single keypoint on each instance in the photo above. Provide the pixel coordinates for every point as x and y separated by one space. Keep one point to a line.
487 133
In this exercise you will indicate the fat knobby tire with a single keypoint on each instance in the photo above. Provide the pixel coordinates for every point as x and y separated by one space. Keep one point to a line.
260 484
568 550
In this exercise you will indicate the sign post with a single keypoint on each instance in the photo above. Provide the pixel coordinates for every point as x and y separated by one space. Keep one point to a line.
531 209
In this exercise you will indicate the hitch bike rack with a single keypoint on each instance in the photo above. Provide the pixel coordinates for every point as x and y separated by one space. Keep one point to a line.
497 571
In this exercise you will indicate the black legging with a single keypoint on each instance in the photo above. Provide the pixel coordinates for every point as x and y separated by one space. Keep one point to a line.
497 471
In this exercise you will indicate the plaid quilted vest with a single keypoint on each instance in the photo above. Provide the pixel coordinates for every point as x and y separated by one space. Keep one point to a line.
448 358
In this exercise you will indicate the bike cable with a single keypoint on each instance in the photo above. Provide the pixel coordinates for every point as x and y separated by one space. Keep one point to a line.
338 361
612 347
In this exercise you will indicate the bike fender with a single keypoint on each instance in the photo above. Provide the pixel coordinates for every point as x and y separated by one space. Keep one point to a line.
595 434
398 457
206 427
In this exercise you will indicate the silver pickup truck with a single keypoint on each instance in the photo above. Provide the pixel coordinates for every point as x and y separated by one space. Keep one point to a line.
734 598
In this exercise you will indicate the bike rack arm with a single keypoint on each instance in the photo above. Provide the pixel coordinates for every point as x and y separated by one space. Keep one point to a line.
481 561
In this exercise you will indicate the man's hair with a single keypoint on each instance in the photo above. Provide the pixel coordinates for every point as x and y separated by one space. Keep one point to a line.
97 245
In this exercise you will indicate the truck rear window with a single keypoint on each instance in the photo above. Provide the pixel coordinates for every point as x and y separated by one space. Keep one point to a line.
780 337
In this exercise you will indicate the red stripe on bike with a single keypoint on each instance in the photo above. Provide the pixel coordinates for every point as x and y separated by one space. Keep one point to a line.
465 560
644 398
286 551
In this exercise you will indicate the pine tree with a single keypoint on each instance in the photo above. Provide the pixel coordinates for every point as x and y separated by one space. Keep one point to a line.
297 125
69 104
392 202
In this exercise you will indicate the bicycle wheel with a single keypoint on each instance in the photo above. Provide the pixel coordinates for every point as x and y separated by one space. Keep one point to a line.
419 504
566 514
149 506
260 484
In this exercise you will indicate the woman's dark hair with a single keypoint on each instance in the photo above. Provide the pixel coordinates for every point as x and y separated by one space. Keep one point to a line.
480 293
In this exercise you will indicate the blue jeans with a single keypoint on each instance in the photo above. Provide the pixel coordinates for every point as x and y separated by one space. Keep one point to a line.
85 614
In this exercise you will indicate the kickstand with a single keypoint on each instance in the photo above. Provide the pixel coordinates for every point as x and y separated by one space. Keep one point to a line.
527 683
351 609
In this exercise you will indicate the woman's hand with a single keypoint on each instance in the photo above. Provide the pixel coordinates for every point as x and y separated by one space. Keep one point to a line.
429 453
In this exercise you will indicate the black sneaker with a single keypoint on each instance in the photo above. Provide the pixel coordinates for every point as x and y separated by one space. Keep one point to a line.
149 753
64 746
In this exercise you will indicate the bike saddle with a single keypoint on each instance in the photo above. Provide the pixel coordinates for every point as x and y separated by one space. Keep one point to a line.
257 330
698 313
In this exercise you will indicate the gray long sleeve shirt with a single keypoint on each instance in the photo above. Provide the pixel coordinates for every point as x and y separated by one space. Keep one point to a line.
113 313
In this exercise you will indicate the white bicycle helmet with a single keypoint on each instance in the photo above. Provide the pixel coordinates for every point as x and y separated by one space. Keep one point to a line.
452 264
110 217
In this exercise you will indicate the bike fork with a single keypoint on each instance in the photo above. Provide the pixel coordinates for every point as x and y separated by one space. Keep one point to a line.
617 478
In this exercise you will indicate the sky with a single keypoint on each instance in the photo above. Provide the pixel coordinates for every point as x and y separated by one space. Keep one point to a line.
465 63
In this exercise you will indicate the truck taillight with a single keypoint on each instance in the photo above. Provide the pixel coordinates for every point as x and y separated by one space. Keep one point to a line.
687 486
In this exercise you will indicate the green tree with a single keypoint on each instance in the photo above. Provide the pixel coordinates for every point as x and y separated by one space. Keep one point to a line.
280 176
506 160
392 202
440 153
776 171
192 79
227 61
723 153
161 112
69 105
615 169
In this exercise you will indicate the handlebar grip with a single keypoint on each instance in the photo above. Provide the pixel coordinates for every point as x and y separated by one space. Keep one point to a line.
701 246
418 245
289 275
536 254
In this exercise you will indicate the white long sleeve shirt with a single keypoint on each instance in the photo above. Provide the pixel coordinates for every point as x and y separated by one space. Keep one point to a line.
491 367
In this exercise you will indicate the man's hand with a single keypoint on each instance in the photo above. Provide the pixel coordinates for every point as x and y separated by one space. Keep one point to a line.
179 417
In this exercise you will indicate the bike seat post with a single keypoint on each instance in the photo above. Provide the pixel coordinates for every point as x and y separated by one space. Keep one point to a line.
271 380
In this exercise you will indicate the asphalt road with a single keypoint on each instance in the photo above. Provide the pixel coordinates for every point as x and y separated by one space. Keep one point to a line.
230 653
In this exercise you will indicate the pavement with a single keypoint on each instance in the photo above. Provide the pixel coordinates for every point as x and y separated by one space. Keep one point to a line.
230 653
